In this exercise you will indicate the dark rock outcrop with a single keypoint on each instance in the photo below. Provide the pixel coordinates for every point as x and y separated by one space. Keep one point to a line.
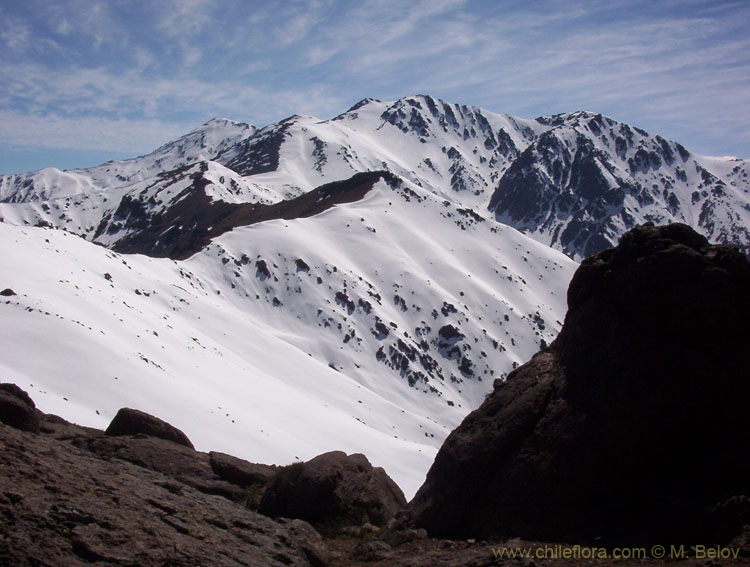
63 505
17 409
174 460
333 490
251 478
59 428
133 422
181 230
240 472
631 426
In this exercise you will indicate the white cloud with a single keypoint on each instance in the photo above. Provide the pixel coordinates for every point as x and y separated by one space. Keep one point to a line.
201 58
15 34
94 108
86 133
185 17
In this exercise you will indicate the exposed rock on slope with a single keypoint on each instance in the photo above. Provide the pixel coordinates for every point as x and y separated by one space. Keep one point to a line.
17 409
74 496
193 218
632 425
332 490
132 422
588 179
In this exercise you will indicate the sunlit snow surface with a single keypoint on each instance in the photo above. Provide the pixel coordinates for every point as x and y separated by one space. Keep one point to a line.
373 327
201 344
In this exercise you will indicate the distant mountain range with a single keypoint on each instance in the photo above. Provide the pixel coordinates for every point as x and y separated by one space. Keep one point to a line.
572 181
354 283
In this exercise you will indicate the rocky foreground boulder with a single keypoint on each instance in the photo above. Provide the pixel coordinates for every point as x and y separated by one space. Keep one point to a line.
17 409
334 490
632 426
140 494
133 422
65 505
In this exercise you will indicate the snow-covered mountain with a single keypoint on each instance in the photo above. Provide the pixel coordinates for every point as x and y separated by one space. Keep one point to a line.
371 327
588 179
572 181
354 283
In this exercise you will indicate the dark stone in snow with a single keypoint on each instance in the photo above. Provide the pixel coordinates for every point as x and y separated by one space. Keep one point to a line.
449 334
261 270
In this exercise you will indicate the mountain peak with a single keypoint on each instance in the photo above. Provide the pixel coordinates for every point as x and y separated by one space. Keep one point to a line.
222 122
361 103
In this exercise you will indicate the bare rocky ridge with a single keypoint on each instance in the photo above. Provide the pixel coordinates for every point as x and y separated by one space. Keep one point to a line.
632 426
194 219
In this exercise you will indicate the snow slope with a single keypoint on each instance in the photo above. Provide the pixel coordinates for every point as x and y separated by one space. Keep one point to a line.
288 338
372 326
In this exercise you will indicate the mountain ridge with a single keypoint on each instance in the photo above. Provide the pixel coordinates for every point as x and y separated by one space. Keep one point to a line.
389 313
574 181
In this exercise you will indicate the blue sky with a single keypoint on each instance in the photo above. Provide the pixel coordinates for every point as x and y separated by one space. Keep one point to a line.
82 82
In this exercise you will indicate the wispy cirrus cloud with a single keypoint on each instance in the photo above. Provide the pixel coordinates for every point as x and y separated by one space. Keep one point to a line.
98 109
680 68
15 34
85 133
185 17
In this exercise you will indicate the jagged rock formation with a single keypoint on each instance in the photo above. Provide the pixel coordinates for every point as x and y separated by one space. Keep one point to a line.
587 179
631 426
